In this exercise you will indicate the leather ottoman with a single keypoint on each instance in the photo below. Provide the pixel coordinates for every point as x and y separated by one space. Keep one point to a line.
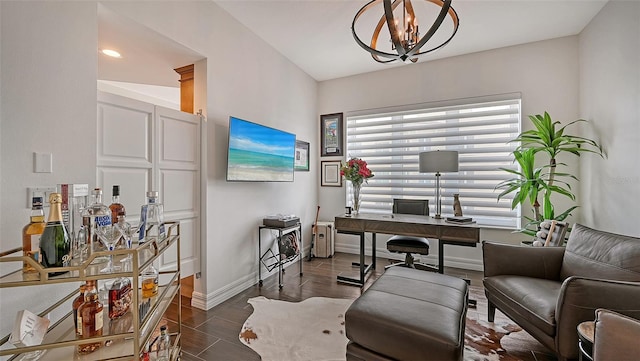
408 314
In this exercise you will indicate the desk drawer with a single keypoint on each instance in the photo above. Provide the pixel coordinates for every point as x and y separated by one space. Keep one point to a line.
468 234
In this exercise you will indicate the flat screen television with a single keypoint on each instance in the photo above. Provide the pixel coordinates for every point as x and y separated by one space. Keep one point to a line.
258 153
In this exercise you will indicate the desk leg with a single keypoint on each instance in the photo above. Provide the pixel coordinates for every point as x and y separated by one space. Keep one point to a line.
362 267
373 250
440 256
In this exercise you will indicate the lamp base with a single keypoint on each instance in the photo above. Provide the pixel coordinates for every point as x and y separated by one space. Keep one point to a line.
437 216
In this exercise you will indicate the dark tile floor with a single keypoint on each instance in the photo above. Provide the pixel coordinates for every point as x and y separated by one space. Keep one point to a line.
213 335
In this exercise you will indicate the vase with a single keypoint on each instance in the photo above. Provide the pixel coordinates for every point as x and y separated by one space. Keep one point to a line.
356 197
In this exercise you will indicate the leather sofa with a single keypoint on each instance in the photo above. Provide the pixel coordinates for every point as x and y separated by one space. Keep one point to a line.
616 337
548 291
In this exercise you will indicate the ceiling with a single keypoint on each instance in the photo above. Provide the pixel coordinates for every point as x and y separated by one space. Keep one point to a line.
316 35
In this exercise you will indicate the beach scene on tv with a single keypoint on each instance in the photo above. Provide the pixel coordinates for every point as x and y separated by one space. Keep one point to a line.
259 153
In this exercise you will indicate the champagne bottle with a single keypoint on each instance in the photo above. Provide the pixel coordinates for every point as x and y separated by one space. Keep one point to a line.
55 246
31 234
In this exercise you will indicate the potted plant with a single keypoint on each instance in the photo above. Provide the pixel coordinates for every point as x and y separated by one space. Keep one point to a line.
531 183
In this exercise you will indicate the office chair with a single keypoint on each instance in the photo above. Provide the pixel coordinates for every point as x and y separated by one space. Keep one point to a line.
410 244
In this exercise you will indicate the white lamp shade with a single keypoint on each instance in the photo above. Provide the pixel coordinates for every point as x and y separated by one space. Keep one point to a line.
439 161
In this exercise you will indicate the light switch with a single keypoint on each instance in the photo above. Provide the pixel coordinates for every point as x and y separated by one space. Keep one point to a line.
42 162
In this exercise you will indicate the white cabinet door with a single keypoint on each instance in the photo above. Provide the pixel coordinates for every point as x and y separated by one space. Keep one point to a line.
144 147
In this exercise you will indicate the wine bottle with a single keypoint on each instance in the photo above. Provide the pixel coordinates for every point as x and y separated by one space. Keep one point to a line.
77 302
90 319
31 234
149 282
117 208
164 344
151 220
55 246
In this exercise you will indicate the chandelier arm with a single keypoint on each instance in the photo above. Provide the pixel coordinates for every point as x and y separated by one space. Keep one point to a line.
391 24
456 24
374 52
446 5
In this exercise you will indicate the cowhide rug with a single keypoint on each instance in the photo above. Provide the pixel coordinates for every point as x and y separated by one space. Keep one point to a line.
313 330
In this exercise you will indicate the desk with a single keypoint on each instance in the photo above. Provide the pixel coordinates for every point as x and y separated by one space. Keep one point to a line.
466 235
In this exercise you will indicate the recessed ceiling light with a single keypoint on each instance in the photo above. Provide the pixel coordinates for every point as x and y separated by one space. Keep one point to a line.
111 53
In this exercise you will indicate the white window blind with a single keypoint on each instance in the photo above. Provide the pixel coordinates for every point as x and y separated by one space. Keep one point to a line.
479 129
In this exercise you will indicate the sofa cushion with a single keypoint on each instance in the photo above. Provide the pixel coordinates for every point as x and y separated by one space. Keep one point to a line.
530 299
591 252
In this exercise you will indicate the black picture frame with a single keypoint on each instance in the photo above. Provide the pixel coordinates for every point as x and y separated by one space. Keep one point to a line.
331 134
330 173
301 161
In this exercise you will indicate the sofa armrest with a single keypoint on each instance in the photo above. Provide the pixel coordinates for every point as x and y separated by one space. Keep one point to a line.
580 297
537 262
616 337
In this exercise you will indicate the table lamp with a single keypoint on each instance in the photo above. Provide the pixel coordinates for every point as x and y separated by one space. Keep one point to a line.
438 161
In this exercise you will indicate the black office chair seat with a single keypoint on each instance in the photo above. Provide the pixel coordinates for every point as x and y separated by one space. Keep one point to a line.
410 244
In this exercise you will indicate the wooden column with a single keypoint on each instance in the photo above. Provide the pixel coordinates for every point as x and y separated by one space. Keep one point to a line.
186 88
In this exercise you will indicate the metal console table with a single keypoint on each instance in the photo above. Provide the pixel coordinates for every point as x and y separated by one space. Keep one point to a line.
270 259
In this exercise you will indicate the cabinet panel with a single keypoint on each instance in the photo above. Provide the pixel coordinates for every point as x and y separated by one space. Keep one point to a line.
184 199
124 131
133 185
179 138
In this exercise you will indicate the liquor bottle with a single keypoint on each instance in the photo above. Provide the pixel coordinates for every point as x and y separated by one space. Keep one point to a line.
77 302
119 297
149 282
151 219
116 208
164 343
99 215
31 234
55 246
90 319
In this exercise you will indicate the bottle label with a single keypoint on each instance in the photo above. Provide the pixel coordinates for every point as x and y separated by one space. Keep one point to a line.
143 223
79 328
35 248
102 221
99 321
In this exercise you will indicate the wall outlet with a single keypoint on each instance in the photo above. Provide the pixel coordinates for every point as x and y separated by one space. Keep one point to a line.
43 192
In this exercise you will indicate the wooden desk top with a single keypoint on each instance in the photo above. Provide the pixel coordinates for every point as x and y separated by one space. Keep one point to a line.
409 225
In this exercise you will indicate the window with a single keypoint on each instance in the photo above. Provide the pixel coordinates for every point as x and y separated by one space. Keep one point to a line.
479 129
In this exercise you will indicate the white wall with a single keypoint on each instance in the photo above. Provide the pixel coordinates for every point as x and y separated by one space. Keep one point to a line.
545 73
48 65
49 82
610 100
248 79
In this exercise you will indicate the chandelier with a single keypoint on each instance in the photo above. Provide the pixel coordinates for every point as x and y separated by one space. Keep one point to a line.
406 40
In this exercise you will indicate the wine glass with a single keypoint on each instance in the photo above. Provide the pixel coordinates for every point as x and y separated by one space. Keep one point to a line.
127 231
109 236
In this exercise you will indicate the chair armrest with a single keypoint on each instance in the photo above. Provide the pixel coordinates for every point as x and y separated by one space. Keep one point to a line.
580 297
616 337
536 262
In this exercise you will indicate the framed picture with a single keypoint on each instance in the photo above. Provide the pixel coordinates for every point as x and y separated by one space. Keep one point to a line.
331 134
330 174
301 162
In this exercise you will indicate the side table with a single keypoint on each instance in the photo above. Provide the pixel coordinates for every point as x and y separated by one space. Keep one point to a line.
271 260
585 340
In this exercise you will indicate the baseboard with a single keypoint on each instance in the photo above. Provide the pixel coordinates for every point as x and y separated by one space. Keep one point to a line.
456 262
212 299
